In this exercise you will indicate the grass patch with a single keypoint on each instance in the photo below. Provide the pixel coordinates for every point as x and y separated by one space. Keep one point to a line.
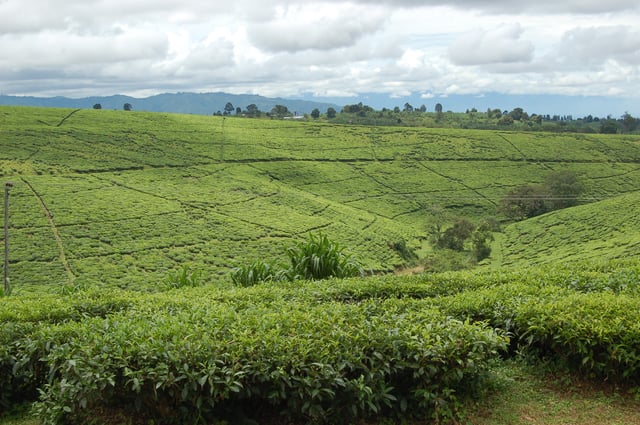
526 394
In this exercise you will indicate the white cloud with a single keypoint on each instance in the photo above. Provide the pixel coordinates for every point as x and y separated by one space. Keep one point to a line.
498 45
318 26
330 47
594 45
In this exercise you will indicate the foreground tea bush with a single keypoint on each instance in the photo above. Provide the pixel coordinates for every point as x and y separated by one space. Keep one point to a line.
312 350
31 326
594 330
327 362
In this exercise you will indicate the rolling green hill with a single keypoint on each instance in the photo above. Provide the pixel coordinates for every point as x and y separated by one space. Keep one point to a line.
121 198
608 229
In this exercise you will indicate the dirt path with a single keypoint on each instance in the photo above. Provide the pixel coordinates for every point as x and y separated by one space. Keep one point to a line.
54 229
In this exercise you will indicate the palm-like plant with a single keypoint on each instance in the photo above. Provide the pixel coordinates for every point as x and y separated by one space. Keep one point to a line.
320 258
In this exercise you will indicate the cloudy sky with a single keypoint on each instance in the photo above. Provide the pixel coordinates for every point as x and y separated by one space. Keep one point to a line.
430 48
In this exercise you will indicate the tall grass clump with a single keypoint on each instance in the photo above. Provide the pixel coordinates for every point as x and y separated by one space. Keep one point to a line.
316 258
184 277
320 258
257 272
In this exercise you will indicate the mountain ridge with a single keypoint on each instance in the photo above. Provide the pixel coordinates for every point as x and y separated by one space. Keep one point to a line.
181 102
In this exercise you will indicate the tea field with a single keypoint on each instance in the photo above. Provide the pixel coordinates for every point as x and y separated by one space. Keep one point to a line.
106 204
121 198
606 229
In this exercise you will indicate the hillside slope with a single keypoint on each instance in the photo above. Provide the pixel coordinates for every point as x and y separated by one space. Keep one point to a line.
121 198
603 230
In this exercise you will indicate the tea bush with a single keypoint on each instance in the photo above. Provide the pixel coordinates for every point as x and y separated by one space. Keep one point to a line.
340 349
327 362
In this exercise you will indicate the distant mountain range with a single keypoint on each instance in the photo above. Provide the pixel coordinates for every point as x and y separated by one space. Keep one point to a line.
210 103
185 103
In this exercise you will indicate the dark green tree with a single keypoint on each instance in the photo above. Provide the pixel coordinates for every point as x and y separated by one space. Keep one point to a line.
280 111
455 236
517 114
608 126
563 189
228 108
253 111
523 202
315 114
438 112
331 112
505 120
629 123
481 241
97 106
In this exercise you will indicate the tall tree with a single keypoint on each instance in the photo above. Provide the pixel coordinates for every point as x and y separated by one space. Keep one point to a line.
280 111
228 108
253 111
331 112
629 123
563 188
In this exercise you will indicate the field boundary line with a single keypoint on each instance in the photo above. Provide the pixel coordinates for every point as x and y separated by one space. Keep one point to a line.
54 229
457 181
67 117
503 137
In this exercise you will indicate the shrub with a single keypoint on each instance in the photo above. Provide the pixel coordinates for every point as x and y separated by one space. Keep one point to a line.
321 258
328 362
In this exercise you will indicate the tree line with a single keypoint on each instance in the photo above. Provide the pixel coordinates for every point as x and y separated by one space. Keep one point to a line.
408 115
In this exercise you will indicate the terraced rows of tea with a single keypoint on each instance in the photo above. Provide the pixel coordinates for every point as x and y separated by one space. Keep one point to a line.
121 198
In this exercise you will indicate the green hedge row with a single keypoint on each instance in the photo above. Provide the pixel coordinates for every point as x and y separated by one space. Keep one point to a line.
327 362
315 350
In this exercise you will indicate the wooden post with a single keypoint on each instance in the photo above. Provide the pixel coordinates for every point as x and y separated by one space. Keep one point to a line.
7 286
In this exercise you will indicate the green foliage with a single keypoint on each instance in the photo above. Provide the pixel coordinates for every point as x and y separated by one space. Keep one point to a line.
481 241
523 202
327 362
561 189
257 272
451 244
184 277
320 258
134 195
315 351
594 232
315 259
404 251
455 237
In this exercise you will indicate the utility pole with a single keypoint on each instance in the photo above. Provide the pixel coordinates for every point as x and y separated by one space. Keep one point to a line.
7 287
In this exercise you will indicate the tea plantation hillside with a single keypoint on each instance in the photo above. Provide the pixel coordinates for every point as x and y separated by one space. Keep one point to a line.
605 229
122 198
